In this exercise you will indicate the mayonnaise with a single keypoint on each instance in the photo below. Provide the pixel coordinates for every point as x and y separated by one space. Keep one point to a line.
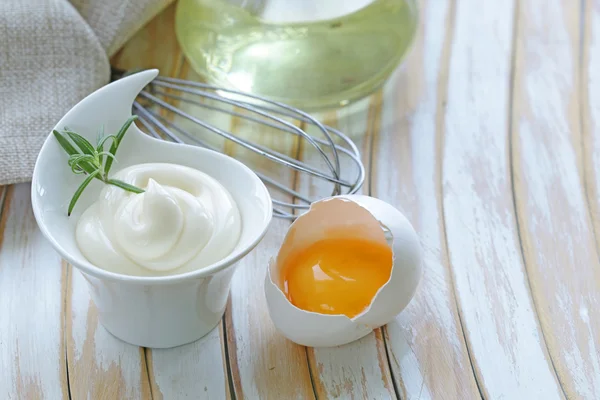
185 220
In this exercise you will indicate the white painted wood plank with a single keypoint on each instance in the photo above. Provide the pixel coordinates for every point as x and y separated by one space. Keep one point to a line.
590 86
556 230
100 365
426 343
32 283
193 371
505 342
359 369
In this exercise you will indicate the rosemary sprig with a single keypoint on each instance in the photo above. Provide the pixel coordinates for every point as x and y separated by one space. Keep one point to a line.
92 161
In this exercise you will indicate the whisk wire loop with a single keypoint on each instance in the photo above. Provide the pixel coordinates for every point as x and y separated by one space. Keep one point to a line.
154 105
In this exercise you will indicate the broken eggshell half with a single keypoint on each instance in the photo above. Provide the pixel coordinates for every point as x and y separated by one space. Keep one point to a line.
346 216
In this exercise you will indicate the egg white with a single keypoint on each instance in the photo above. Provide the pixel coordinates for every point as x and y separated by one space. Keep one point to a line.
347 216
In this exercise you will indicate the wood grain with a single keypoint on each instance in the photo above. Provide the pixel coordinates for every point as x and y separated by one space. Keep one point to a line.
590 95
425 342
554 220
359 369
100 365
32 280
196 370
507 348
590 110
155 46
500 179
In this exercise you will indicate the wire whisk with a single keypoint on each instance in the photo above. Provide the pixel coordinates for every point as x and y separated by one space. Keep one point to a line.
160 111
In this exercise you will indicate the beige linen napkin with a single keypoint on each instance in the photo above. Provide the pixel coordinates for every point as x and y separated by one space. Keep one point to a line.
52 54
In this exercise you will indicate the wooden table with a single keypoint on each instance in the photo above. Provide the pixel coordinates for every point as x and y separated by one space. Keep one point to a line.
488 139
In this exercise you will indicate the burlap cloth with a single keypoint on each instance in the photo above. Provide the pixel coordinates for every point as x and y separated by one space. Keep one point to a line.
52 54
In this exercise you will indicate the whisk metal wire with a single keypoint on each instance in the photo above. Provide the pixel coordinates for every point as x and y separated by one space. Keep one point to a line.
262 111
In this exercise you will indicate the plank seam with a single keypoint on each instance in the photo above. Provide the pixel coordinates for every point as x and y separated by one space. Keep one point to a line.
67 288
439 124
147 365
511 133
229 376
387 355
310 373
372 130
4 204
229 334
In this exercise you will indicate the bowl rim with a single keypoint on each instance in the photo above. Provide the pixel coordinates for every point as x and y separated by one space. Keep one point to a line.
100 273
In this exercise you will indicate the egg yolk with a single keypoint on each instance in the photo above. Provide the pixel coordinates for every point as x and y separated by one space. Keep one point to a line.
336 276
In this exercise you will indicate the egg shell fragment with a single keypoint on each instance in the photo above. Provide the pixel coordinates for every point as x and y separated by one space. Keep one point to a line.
346 216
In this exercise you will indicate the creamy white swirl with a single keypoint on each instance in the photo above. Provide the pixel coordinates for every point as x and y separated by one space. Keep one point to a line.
185 220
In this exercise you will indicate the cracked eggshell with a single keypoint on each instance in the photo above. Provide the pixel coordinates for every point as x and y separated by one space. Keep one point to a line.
347 216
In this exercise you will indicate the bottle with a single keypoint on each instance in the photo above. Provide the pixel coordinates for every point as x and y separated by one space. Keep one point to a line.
311 54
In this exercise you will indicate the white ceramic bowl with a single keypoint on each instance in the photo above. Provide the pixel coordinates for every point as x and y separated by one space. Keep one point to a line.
154 312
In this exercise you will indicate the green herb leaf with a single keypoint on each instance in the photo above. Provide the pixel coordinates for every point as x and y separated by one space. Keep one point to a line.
68 147
125 186
64 143
79 163
117 142
99 135
85 159
100 148
100 143
77 158
103 141
80 189
81 142
107 154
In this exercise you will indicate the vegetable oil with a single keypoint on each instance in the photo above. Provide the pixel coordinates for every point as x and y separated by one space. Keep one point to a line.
306 53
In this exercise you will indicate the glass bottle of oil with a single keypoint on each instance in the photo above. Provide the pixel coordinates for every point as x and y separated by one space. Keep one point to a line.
307 53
